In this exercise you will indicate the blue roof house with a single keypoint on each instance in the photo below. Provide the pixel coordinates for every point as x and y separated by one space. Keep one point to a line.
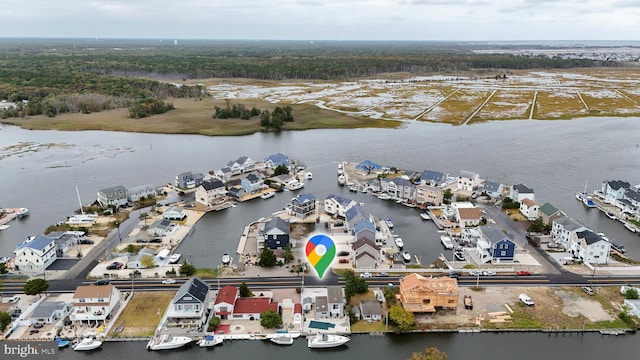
36 254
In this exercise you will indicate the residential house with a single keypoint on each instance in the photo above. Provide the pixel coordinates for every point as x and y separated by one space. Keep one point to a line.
521 191
137 193
468 181
366 260
428 195
419 294
161 228
492 189
614 190
589 247
367 167
135 261
225 301
630 203
94 303
210 191
432 178
364 229
335 301
48 312
303 205
243 164
275 160
399 187
548 213
252 183
371 310
190 303
466 214
495 246
189 180
283 179
276 234
174 213
529 209
322 307
236 191
367 253
355 214
35 255
65 240
562 229
250 308
113 196
223 174
335 205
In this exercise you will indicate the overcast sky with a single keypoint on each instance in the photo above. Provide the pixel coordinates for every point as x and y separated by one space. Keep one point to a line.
325 19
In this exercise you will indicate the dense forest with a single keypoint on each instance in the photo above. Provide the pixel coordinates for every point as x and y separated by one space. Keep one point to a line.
78 75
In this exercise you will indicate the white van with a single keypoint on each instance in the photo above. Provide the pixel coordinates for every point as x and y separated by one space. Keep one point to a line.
525 299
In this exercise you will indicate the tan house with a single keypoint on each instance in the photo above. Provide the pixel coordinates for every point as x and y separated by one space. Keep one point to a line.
468 217
430 195
94 304
420 294
529 209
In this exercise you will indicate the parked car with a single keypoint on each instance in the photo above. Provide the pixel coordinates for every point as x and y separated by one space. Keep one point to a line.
525 299
102 282
382 274
523 273
169 281
455 273
14 299
156 241
365 275
33 331
141 241
38 326
489 273
588 290
86 242
343 253
475 272
115 266
552 245
343 261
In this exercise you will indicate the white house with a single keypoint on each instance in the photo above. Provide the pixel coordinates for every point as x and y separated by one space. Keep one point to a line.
467 214
65 240
589 247
371 310
335 205
492 189
223 174
242 165
113 196
398 188
35 255
562 228
190 303
225 301
614 190
94 303
468 181
138 192
210 191
135 261
529 209
174 213
521 191
48 312
275 160
161 228
335 301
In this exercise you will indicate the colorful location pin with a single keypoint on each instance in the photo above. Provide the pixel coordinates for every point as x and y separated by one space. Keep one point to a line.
321 251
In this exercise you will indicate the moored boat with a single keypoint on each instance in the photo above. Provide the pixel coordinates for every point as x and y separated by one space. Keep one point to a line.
295 185
86 344
226 259
283 339
588 201
22 212
446 242
406 256
323 341
399 243
630 227
210 341
425 216
61 342
389 223
268 195
168 342
342 180
459 254
308 176
174 258
384 196
610 215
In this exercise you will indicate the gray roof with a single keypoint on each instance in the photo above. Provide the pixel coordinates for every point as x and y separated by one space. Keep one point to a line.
334 295
195 287
401 182
113 190
277 223
370 307
304 198
589 236
356 211
46 309
568 223
493 234
430 175
139 188
278 159
160 224
548 209
364 224
253 178
340 199
522 189
468 174
321 303
633 195
617 184
210 185
491 186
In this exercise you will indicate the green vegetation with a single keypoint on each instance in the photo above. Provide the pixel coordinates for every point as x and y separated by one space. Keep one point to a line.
213 323
270 319
353 285
3 269
207 273
35 286
288 254
509 204
267 258
431 353
280 170
538 226
143 313
5 320
402 319
187 269
147 107
147 261
631 293
244 290
235 111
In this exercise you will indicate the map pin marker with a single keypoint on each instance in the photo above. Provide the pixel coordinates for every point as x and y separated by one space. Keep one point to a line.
321 251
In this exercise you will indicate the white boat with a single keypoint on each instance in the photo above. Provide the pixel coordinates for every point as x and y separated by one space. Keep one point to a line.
630 227
459 254
342 180
610 215
446 242
323 341
295 185
425 216
406 256
580 196
4 227
210 341
384 196
389 223
226 259
4 259
353 188
268 195
588 201
81 219
308 176
399 243
88 343
22 212
173 259
282 339
168 342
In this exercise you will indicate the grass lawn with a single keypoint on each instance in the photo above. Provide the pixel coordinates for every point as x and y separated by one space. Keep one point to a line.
143 313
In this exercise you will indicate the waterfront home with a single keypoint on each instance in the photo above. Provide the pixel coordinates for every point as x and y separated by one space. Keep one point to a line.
174 213
210 191
140 192
223 174
189 305
366 253
275 160
236 191
35 255
519 192
65 240
113 196
432 178
275 234
94 304
589 247
492 189
630 203
188 180
136 262
397 188
161 228
364 229
335 301
468 181
252 183
250 308
48 312
529 209
548 213
303 205
614 190
466 214
225 301
322 307
419 294
428 195
367 167
562 229
355 214
494 246
370 310
338 206
241 165
283 179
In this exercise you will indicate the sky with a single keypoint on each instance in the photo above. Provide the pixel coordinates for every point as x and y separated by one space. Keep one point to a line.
437 20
